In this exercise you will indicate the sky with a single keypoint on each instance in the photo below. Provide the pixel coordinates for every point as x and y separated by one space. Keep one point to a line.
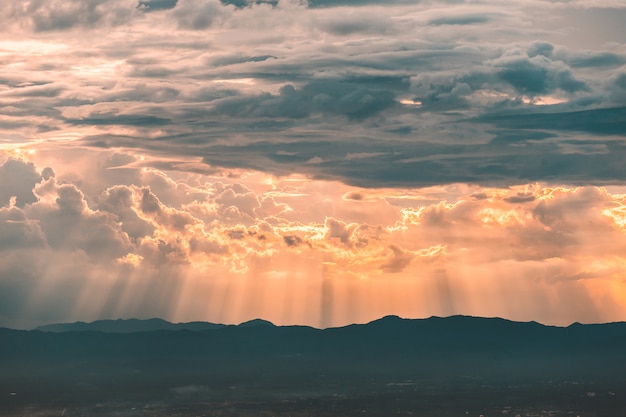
312 162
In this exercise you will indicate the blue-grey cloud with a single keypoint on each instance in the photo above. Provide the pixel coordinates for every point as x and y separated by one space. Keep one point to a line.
357 3
596 59
536 75
122 120
348 99
247 3
153 5
608 121
45 16
459 20
435 92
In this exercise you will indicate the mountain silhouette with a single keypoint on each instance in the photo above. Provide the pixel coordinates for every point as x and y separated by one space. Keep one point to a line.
143 359
127 326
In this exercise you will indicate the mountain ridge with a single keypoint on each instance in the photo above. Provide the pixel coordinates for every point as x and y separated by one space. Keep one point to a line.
127 326
131 325
257 359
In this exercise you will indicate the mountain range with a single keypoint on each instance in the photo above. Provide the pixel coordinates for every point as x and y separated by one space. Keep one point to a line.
140 360
137 325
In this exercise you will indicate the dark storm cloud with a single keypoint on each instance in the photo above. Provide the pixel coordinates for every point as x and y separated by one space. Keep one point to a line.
619 83
531 71
426 92
447 91
611 121
348 99
535 75
411 163
600 59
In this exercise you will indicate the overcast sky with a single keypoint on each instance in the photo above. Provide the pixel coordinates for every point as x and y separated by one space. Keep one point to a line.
321 163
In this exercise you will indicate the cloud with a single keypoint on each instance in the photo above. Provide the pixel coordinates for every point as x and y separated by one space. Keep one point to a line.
336 229
17 180
237 94
69 224
17 231
605 121
209 230
536 75
197 14
460 20
359 22
591 59
249 3
520 198
353 3
400 260
54 15
325 97
119 200
292 240
154 5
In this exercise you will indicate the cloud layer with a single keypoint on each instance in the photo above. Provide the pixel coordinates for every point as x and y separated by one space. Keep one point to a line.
226 248
436 92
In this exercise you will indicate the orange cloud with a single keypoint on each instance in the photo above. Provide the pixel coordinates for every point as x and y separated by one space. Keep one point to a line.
297 250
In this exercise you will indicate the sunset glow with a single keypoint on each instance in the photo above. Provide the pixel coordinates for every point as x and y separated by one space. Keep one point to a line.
223 161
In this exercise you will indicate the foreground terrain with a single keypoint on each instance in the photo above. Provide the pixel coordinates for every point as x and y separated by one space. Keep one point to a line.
454 366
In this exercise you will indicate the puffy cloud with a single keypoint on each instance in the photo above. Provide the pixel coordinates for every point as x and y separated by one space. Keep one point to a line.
69 224
120 201
168 217
446 90
216 229
197 14
239 198
17 180
537 74
339 230
52 15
